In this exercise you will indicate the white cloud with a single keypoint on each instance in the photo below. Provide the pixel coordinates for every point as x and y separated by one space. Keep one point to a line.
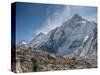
55 20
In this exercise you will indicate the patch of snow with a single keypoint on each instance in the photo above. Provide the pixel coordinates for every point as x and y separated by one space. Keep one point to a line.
83 21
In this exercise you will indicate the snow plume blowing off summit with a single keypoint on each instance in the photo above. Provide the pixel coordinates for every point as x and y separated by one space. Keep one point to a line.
56 19
59 15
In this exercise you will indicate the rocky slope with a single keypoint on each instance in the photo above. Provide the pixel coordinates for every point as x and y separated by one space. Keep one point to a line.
32 60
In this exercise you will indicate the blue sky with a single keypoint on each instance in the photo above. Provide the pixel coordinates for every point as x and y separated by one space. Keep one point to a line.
33 18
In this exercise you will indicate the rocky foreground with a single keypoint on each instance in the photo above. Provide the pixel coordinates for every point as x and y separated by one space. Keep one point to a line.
32 60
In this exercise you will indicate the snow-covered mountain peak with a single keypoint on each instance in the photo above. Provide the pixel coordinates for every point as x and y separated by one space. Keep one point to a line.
40 34
77 16
37 40
74 21
22 42
70 36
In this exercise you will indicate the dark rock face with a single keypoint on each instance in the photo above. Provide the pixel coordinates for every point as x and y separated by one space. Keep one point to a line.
89 47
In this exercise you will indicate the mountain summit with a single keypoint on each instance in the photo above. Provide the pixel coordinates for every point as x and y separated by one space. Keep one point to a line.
76 16
37 40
